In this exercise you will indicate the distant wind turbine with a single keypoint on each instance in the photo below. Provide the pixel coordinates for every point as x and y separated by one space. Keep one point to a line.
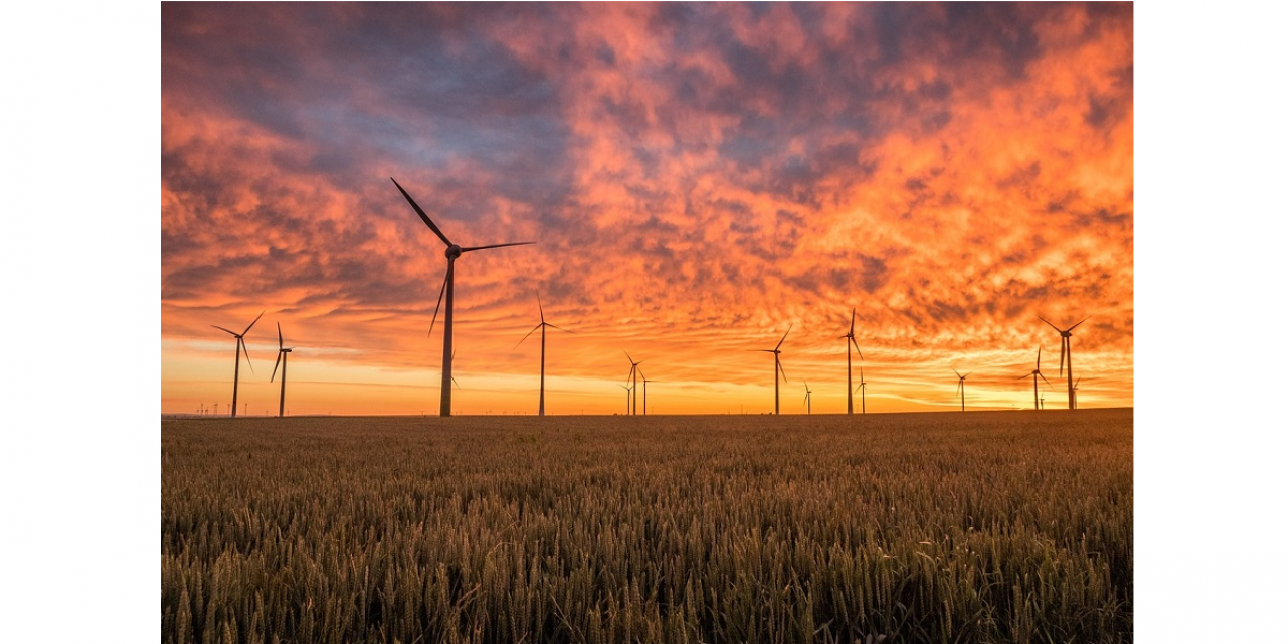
452 252
628 398
633 375
241 345
961 387
849 369
807 404
1066 348
282 352
1075 393
863 387
644 381
778 365
1037 372
541 405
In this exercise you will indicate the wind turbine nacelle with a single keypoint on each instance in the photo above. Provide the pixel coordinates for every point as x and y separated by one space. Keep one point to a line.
452 252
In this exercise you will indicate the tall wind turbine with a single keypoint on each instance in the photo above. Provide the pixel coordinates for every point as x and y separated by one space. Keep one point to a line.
1037 372
541 405
807 405
452 252
633 375
863 387
961 387
849 369
281 359
778 366
238 350
1066 348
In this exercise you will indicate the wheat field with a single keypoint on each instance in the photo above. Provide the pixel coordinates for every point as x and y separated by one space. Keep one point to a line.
936 527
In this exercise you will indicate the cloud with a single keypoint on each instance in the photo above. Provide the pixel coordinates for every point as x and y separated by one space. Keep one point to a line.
948 170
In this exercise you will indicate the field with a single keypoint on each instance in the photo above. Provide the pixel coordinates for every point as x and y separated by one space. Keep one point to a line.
944 527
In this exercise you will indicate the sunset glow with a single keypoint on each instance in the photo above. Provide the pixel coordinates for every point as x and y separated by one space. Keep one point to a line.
697 178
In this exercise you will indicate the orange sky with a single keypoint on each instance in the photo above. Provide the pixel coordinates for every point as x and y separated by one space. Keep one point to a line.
696 178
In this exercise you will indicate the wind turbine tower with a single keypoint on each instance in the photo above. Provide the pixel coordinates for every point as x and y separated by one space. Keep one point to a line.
238 350
452 253
1066 348
778 365
863 388
961 386
282 352
849 368
633 375
541 404
1037 372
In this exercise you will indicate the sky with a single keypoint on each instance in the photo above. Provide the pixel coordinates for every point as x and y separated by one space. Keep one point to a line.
697 178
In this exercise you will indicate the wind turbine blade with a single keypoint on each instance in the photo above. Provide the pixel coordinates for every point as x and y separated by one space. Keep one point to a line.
959 387
458 385
275 364
280 343
958 374
852 324
967 374
780 368
466 250
242 343
1076 325
540 309
560 328
423 217
1052 325
780 342
442 289
1064 342
232 333
856 347
534 330
1046 381
1039 358
252 322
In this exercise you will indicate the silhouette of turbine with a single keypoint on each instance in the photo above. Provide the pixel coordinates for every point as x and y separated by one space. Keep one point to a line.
1075 393
961 387
241 345
807 403
634 406
778 365
863 387
1066 348
628 398
281 359
541 405
644 381
452 252
1037 372
849 369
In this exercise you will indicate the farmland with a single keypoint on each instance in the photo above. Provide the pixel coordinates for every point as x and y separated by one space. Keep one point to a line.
940 527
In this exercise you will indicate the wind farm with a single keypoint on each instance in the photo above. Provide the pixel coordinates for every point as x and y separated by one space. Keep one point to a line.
677 181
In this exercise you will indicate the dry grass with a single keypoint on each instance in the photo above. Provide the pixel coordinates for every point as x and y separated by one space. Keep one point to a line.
946 527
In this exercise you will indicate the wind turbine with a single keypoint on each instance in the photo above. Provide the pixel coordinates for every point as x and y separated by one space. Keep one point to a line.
1066 347
452 252
541 405
778 366
863 387
628 398
961 387
1075 393
644 381
1037 372
632 375
849 369
281 359
807 404
241 345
